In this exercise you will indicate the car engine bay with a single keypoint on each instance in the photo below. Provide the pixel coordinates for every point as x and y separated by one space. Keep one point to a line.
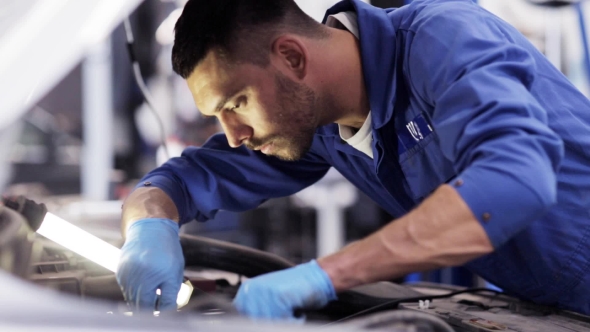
216 269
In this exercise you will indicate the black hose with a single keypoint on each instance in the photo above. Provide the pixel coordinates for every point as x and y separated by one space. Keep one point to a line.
225 256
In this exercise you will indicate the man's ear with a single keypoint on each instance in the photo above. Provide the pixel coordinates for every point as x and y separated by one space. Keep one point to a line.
290 53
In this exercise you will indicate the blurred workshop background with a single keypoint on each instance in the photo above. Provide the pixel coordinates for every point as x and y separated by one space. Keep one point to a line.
77 133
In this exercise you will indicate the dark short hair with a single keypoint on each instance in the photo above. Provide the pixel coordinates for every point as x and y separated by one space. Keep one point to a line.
240 30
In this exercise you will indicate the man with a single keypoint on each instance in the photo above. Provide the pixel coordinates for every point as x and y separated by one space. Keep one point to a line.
439 111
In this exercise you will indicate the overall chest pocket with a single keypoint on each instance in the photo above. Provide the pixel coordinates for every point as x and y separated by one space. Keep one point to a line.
422 161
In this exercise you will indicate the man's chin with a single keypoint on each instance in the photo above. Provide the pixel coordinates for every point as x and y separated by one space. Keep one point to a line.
287 158
285 151
289 155
282 156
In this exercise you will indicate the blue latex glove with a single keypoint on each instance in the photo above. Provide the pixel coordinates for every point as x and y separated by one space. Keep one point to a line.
277 295
151 258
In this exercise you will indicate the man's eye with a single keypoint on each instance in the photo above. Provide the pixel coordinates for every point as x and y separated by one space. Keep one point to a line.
240 103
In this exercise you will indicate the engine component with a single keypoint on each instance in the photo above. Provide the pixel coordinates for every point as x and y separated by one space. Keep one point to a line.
420 321
224 256
17 248
32 212
554 3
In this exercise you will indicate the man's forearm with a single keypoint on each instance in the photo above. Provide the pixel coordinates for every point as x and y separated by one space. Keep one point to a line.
148 203
441 232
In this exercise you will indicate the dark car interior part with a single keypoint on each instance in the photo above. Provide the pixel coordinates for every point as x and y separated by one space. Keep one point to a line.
553 3
33 212
391 304
421 321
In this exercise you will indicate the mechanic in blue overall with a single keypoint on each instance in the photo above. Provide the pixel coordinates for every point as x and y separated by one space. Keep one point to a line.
441 112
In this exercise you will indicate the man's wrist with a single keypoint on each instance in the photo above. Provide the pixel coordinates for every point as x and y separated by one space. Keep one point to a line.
327 284
343 277
150 224
146 203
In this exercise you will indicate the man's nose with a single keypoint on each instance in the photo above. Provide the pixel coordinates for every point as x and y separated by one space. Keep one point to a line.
237 133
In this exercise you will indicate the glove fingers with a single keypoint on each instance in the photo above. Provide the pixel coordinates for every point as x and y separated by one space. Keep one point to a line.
146 298
151 257
263 306
126 286
253 312
169 295
129 294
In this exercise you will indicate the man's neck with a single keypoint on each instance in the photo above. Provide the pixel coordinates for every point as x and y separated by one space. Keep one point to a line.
345 83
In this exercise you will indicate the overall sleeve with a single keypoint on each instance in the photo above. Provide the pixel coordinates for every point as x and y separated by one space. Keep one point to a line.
217 177
464 63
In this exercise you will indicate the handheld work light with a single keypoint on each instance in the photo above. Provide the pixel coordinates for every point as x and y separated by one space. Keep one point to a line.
76 239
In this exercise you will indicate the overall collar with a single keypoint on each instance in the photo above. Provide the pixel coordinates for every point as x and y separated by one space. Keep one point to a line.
378 54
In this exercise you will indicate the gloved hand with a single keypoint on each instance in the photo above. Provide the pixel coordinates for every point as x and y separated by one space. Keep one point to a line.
151 258
277 295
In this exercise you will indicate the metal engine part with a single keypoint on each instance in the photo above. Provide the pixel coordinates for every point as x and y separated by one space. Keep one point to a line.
18 249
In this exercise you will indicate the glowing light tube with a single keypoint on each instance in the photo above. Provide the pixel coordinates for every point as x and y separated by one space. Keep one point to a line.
92 248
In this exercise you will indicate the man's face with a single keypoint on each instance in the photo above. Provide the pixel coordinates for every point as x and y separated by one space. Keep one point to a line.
258 107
